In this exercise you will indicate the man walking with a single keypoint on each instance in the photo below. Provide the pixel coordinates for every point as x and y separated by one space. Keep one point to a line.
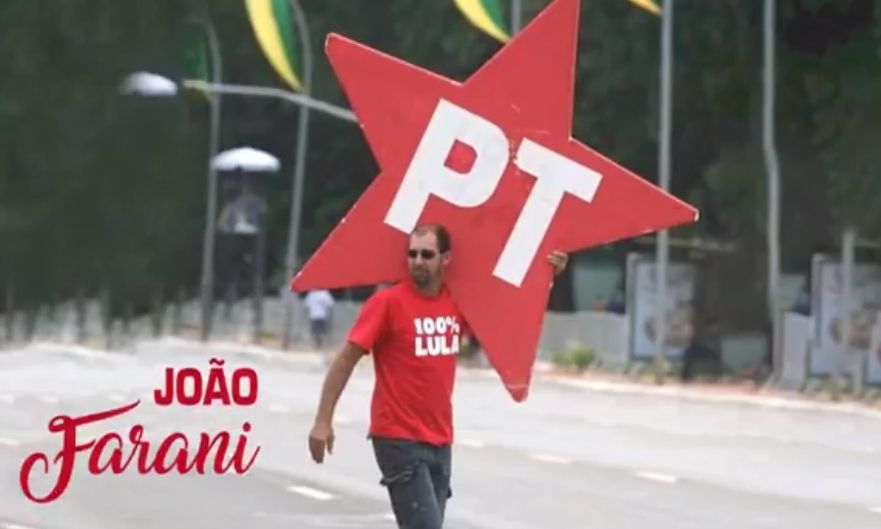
413 329
319 304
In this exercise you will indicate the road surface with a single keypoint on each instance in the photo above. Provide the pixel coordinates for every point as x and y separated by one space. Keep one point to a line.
568 457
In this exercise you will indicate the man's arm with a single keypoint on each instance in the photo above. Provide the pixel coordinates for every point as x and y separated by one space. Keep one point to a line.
321 437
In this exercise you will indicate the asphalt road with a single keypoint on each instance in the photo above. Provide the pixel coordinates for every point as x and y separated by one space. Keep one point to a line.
569 457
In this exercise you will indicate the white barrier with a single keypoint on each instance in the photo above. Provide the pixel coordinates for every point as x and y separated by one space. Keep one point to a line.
604 332
607 334
796 347
873 362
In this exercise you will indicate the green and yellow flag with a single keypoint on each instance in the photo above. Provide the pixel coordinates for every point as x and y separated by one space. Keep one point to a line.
486 15
193 59
271 22
649 5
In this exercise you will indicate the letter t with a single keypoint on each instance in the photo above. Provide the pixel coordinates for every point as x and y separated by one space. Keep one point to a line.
555 175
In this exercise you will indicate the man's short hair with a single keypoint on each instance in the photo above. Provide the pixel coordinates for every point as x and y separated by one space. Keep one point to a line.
440 233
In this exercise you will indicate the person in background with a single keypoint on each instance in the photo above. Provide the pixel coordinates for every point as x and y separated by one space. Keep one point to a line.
319 305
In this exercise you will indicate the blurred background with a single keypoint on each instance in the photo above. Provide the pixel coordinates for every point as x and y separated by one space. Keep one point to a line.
169 164
112 151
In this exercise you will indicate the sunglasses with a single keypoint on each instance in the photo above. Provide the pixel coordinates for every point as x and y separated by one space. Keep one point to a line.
425 254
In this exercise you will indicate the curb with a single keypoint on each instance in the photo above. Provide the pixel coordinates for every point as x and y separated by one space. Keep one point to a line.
543 371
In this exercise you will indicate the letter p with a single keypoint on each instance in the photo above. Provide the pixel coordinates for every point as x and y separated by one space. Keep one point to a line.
428 174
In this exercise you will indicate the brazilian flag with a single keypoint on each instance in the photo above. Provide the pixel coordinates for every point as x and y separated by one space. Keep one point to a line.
271 22
649 5
486 15
193 58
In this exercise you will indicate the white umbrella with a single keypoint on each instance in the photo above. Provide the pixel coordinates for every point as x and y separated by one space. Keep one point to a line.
246 159
148 84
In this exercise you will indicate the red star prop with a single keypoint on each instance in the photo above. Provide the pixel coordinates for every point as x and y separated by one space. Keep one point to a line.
523 96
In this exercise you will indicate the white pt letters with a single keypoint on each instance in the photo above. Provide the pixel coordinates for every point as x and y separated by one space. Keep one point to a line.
555 175
428 175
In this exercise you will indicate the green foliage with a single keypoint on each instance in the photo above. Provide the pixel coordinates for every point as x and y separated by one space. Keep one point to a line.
468 348
576 356
93 189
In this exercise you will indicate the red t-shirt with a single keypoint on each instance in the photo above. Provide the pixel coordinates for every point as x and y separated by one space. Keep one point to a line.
414 339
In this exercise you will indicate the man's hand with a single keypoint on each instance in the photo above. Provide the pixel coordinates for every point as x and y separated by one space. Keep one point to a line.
321 436
321 439
558 260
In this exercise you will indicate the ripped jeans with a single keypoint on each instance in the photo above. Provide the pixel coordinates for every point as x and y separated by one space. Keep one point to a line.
417 476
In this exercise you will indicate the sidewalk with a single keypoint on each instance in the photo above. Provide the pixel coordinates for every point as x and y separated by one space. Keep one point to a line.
735 392
731 392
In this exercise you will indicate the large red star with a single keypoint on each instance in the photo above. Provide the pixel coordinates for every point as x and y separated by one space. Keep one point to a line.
526 89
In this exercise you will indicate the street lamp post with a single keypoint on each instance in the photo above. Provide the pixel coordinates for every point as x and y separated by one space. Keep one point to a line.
148 84
276 93
845 311
663 242
772 167
516 16
292 255
207 281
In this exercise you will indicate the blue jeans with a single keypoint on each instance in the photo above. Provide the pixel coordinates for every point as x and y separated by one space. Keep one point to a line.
417 476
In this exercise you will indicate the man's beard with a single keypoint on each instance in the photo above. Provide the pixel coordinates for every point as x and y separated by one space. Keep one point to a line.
421 276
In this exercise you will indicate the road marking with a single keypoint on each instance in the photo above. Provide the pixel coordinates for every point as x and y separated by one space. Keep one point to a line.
8 399
473 443
15 526
49 399
277 408
544 458
390 516
876 510
5 441
309 492
656 476
88 353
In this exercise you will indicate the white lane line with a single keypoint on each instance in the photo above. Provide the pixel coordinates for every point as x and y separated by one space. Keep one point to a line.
876 510
656 476
74 350
545 458
14 526
49 399
278 408
5 441
309 492
8 399
473 443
